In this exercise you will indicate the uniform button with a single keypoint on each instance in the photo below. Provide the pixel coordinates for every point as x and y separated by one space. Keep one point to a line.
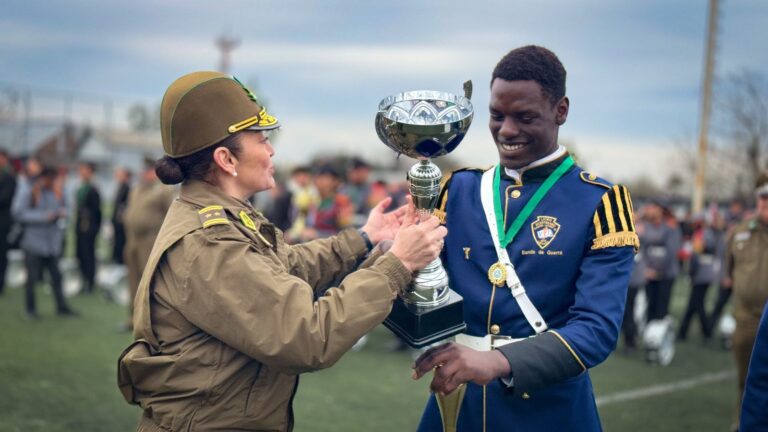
526 396
592 177
495 329
515 194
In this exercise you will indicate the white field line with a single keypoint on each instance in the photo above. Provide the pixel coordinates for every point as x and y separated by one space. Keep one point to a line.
661 389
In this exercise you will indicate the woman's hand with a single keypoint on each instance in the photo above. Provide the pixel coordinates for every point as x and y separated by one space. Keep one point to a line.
418 243
383 226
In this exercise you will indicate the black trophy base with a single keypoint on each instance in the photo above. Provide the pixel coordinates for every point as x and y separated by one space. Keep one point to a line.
420 327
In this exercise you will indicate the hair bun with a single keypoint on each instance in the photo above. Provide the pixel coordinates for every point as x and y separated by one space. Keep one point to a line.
169 171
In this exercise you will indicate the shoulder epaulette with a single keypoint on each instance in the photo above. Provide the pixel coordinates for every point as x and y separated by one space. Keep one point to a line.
613 220
442 197
212 215
593 179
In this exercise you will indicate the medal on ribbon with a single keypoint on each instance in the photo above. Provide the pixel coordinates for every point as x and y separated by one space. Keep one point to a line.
497 274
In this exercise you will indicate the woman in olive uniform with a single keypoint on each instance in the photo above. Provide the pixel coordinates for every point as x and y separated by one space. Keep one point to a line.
226 316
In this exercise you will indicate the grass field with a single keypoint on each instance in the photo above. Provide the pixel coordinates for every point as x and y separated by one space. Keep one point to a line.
58 374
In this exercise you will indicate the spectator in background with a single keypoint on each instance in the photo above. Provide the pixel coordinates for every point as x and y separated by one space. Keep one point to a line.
304 197
358 189
334 210
7 189
636 283
724 292
43 210
736 212
279 210
148 202
746 272
87 225
659 243
735 215
123 179
707 244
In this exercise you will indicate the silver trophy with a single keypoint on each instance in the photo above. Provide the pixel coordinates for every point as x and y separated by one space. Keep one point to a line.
425 124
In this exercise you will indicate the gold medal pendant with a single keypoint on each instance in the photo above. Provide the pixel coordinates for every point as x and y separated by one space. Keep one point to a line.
497 274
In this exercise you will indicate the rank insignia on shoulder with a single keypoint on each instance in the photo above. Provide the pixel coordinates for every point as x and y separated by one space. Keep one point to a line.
212 215
613 220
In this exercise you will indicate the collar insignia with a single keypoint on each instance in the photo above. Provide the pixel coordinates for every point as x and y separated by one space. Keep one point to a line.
246 220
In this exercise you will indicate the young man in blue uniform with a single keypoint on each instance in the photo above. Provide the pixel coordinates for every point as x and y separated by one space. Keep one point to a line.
754 405
542 252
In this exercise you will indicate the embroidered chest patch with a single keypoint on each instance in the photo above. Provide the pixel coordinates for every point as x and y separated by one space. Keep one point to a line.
544 229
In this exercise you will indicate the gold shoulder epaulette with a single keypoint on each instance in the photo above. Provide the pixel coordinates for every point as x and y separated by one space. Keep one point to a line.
442 197
593 179
212 215
614 221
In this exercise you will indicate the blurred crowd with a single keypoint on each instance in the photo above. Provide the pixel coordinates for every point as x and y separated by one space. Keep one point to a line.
687 248
39 203
321 201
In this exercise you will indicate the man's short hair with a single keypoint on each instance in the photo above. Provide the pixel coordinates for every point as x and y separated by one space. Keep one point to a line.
535 63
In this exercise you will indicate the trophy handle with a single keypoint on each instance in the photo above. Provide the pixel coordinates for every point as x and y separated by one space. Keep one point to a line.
468 89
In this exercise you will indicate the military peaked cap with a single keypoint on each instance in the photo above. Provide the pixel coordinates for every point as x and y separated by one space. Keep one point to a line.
202 108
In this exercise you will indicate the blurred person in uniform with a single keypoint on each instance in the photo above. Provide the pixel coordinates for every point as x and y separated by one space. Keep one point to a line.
42 209
7 190
737 210
746 273
148 202
358 188
707 245
636 283
123 179
754 407
303 199
333 211
226 315
725 225
660 243
87 225
530 342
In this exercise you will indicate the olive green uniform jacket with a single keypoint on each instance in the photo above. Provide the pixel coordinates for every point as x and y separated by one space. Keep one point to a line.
226 318
746 262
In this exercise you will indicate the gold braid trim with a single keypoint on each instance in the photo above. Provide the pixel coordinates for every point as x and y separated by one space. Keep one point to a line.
617 239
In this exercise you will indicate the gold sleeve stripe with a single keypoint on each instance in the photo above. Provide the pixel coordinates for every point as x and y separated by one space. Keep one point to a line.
573 353
598 225
209 208
620 208
215 221
609 214
628 202
442 198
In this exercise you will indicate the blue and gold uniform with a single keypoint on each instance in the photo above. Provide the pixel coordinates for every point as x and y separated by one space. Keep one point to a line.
754 406
574 256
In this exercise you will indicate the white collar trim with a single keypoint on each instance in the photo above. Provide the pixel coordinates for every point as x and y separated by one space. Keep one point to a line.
518 173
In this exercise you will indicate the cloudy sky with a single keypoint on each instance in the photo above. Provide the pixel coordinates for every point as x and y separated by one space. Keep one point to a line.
634 67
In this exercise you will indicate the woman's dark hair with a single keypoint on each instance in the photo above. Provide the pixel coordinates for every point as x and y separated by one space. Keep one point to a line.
533 63
197 166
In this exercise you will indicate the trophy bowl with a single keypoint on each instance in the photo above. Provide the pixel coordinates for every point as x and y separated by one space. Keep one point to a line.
424 123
